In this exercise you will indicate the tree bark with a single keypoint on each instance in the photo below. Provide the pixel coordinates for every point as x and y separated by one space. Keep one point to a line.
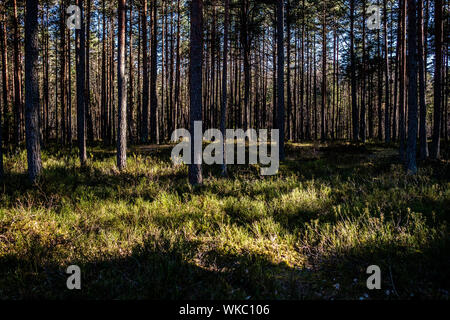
81 72
5 80
280 78
353 75
402 91
412 90
195 71
154 69
435 146
422 85
32 91
387 120
17 79
122 82
89 121
223 115
324 73
145 128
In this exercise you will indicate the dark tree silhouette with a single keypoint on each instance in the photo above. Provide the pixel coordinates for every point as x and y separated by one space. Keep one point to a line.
422 101
195 71
145 129
223 114
280 76
412 89
17 80
32 91
353 73
435 146
81 73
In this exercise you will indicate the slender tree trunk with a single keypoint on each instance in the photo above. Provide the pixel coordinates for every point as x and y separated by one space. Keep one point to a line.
402 93
195 71
288 75
122 82
145 128
46 75
103 80
246 55
396 80
422 101
89 122
280 78
154 69
32 91
69 93
5 78
63 70
224 84
81 72
412 90
177 108
387 120
353 75
302 74
131 71
435 146
17 79
324 72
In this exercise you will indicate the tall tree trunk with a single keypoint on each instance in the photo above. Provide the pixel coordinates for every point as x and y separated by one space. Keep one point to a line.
17 79
387 120
435 146
89 121
302 74
324 72
103 80
362 131
154 69
224 83
145 128
46 102
69 93
353 75
177 107
380 87
122 82
402 93
246 55
288 74
81 72
412 90
63 70
131 80
5 80
32 90
195 71
280 78
422 97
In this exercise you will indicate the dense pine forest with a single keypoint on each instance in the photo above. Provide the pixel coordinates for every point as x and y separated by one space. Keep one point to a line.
92 90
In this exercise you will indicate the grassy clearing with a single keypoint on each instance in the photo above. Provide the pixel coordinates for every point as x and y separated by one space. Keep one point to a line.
308 233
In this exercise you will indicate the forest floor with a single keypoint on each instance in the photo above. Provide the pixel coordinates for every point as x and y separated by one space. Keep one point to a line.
309 232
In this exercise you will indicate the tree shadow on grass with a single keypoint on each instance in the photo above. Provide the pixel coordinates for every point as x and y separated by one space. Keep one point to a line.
152 271
406 273
181 270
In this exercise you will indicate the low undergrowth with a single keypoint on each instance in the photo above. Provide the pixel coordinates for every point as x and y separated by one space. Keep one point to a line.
309 232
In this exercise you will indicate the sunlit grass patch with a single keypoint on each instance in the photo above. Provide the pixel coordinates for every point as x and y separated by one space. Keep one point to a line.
146 233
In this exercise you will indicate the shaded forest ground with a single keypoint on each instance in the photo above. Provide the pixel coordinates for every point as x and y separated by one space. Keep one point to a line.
308 233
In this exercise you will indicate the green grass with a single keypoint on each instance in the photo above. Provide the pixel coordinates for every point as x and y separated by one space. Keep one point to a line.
309 232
